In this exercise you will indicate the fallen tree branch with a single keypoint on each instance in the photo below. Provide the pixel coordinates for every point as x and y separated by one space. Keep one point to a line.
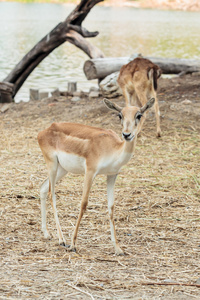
101 67
70 30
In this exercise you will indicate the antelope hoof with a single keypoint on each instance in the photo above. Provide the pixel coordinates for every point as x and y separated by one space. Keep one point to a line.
64 244
159 134
119 251
72 248
46 235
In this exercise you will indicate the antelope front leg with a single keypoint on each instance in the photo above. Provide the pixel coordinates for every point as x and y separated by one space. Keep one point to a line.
157 113
110 194
126 96
89 177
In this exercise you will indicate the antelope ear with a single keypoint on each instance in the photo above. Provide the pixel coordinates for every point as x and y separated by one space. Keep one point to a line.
112 105
159 73
148 105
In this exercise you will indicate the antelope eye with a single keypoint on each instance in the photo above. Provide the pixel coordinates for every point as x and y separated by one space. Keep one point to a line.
120 116
139 116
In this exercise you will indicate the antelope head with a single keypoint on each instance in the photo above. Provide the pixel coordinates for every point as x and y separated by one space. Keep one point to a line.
130 117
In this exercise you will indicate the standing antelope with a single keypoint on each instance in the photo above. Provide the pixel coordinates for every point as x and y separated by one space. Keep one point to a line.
138 81
81 149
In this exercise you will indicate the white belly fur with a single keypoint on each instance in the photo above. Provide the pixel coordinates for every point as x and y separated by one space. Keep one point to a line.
72 163
77 164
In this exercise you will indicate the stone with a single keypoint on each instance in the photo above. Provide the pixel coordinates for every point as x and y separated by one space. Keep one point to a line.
64 93
186 101
84 94
174 106
77 94
94 89
75 99
196 74
109 86
94 94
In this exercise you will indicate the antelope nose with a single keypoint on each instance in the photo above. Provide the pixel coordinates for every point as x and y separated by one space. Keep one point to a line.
126 135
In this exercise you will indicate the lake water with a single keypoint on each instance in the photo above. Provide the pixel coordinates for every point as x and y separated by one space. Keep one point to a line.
123 31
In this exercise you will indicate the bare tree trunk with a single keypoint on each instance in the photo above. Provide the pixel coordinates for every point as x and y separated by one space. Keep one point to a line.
70 30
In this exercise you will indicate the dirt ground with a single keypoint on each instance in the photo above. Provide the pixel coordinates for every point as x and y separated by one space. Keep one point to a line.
157 209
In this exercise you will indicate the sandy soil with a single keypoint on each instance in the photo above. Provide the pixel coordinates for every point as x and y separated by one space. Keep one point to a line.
157 209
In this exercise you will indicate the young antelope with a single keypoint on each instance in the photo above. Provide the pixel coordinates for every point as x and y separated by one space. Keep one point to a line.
138 81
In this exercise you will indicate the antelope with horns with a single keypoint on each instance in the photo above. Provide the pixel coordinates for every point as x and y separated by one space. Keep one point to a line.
138 81
81 149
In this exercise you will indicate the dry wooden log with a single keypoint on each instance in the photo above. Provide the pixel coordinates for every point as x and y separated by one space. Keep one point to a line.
6 87
34 94
5 97
6 92
70 30
177 65
101 67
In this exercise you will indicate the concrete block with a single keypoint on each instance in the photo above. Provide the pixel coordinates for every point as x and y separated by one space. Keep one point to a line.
55 93
72 87
34 94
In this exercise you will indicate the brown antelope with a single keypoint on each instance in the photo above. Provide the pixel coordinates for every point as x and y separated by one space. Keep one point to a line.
81 149
138 81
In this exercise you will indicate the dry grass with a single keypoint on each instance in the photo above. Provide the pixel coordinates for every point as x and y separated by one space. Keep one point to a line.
157 213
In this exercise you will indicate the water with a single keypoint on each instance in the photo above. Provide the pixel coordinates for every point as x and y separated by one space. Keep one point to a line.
123 31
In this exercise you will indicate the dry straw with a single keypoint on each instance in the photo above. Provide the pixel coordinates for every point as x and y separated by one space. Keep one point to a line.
157 212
